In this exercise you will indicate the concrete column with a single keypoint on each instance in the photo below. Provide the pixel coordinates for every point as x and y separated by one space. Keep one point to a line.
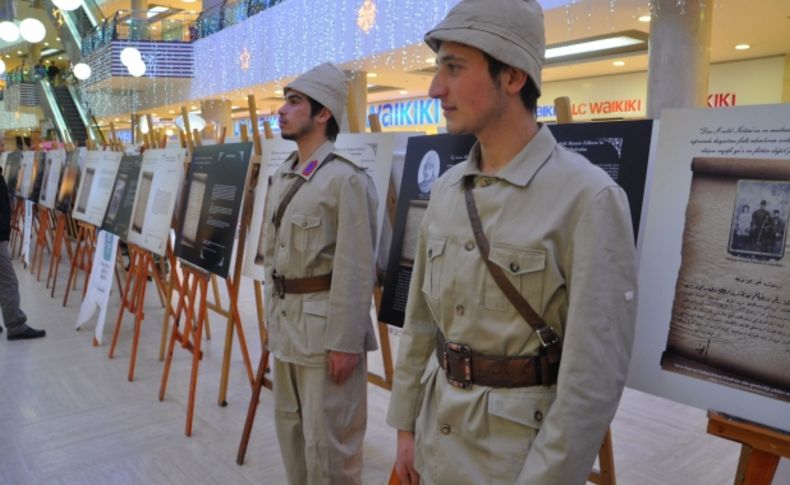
679 55
786 85
356 108
139 26
218 112
34 54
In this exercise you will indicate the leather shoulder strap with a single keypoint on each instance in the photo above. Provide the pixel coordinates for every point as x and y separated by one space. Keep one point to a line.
278 214
548 337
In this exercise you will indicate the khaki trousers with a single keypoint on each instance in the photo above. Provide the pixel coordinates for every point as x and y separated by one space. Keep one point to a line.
320 425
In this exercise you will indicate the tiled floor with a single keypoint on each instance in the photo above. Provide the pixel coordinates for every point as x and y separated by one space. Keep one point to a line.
69 415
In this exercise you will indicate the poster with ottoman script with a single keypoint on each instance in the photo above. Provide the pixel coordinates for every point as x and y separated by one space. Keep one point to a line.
95 187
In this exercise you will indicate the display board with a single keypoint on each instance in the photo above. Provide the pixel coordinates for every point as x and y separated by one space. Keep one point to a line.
274 153
27 172
119 209
11 171
95 186
154 201
427 157
68 183
53 167
211 206
712 326
621 148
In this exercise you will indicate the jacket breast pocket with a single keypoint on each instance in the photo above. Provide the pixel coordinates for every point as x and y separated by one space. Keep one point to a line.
306 231
433 266
315 313
524 268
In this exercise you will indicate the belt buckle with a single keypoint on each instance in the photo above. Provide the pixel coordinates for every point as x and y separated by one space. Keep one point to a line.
279 284
454 352
547 336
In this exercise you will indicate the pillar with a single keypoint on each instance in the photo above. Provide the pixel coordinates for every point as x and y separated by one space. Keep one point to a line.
357 106
679 55
217 113
139 27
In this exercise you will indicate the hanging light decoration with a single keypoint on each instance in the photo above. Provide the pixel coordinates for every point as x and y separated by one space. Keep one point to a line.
67 5
130 55
9 32
2 66
32 30
136 69
82 71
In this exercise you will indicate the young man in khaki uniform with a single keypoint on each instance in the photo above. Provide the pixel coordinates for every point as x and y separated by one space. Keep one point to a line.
319 259
479 395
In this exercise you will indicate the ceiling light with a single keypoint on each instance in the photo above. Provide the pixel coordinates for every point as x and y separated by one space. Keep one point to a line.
46 44
196 122
403 91
278 91
617 43
193 107
430 60
618 63
117 120
172 112
8 56
370 85
188 1
742 47
644 18
57 39
372 74
9 32
49 52
60 58
19 52
130 55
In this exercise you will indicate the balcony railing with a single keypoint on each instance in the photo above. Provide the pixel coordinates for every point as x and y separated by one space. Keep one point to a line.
227 14
127 26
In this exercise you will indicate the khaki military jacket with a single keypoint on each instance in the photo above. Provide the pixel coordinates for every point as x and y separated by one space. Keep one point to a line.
560 228
328 227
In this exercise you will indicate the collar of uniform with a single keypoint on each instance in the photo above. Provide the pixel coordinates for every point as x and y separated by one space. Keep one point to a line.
521 168
319 155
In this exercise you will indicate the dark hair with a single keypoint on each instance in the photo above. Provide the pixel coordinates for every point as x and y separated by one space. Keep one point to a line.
332 129
529 93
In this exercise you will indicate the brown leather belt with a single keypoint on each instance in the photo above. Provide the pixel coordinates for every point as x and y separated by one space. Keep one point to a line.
465 367
312 284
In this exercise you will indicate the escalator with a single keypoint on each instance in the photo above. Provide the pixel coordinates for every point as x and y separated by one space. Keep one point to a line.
72 122
73 26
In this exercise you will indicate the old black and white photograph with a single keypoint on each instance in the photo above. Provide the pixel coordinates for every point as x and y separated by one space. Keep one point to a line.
759 219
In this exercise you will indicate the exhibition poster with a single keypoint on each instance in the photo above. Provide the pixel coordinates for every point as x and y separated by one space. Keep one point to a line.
37 177
621 148
68 183
27 172
427 157
53 168
95 187
155 199
712 318
275 152
119 210
211 206
11 171
97 295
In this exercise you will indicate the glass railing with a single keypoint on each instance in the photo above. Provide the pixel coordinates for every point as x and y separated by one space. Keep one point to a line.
127 26
227 14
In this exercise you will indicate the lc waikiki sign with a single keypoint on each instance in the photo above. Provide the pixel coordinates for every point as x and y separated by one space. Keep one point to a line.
408 113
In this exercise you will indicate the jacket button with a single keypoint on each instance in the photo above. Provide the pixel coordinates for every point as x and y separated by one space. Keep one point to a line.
282 245
469 245
430 253
538 416
459 309
445 429
282 313
514 267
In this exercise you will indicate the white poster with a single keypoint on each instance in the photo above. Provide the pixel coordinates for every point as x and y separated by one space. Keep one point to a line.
155 200
713 282
274 154
95 188
52 168
27 229
97 296
25 180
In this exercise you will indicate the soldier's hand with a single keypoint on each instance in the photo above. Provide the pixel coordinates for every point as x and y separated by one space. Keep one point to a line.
341 365
404 462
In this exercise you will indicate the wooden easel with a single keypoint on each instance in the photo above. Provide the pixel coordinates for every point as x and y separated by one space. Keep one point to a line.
83 257
60 238
141 266
193 296
761 447
17 222
43 235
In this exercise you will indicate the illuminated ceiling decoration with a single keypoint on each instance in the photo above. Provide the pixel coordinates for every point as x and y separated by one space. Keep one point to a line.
366 17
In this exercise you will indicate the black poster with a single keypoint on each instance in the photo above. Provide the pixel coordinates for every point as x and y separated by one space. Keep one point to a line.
211 204
119 209
69 181
11 173
427 157
621 148
39 162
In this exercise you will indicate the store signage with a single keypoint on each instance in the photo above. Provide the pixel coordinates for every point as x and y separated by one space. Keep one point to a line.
717 100
414 112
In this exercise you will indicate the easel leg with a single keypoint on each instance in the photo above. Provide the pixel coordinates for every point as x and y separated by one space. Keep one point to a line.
234 323
124 300
144 261
253 407
196 358
258 289
74 262
173 336
756 467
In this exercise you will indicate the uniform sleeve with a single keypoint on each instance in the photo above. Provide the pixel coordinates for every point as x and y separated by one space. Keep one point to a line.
267 233
353 269
601 268
415 347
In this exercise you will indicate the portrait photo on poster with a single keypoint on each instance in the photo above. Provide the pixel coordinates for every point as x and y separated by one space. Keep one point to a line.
428 171
759 219
82 203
